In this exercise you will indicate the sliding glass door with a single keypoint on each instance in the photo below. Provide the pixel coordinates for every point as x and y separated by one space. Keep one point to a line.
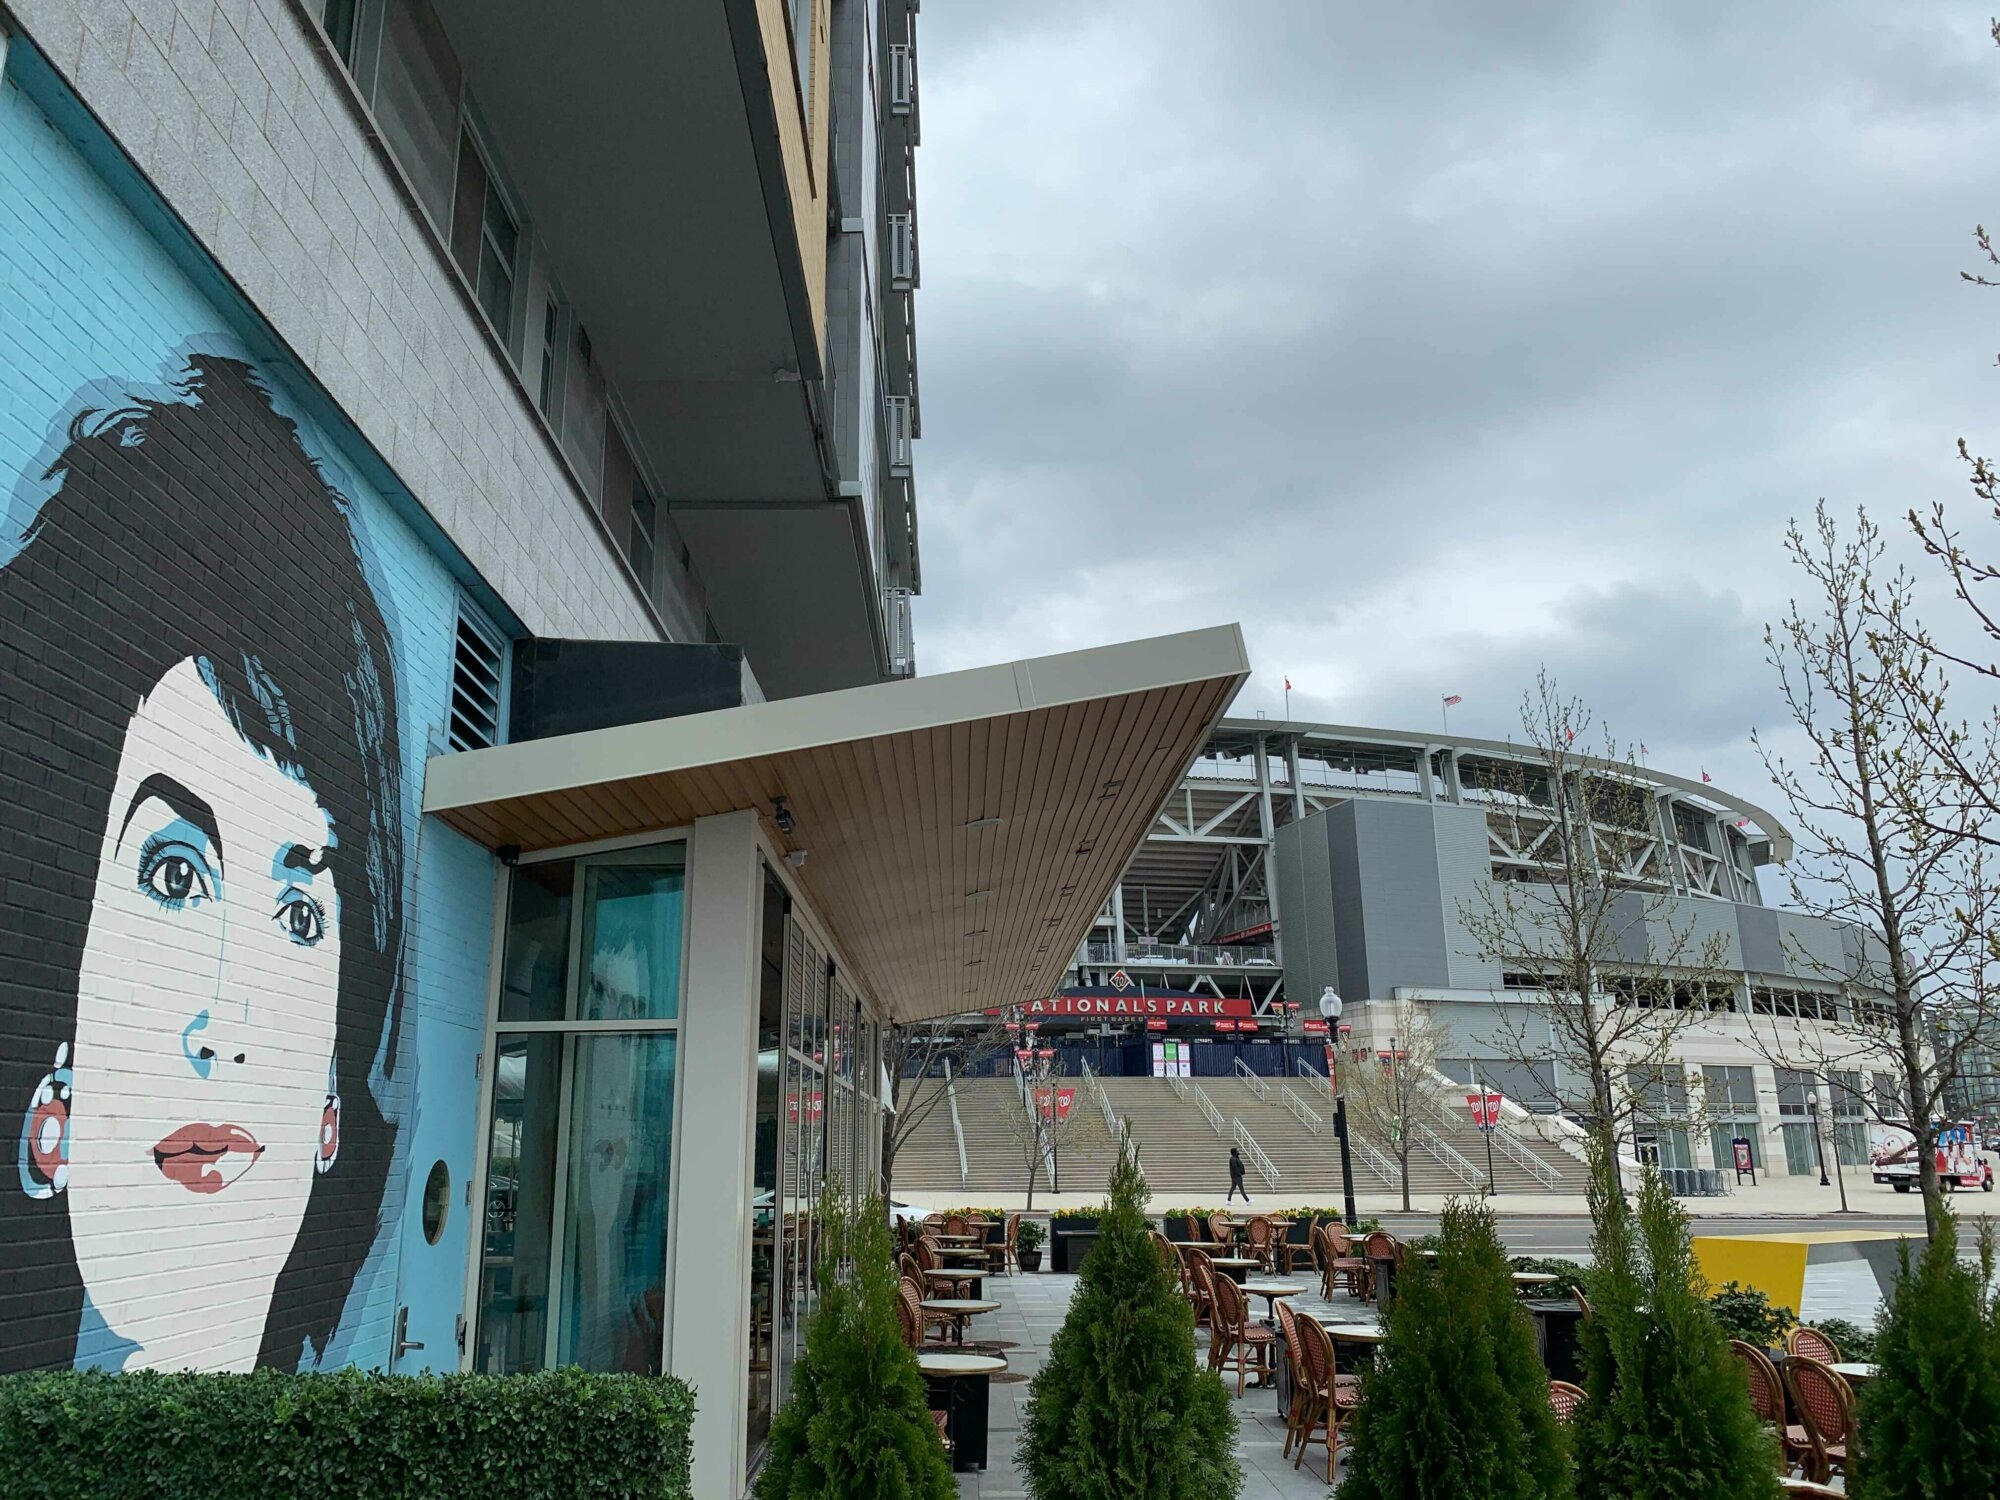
580 1138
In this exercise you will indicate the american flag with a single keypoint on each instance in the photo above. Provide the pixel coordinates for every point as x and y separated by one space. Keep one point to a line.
1288 684
1454 700
1705 776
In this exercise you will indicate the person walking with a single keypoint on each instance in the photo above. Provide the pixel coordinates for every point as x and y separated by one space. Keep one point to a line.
1236 1176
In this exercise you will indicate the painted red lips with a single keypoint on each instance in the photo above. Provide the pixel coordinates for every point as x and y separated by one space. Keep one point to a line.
207 1158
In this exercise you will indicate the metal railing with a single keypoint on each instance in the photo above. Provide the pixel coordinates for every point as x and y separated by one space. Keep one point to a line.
957 1129
1095 1089
1378 1161
1206 1105
1448 1155
1247 1144
1200 955
1246 1074
1308 1117
1504 1141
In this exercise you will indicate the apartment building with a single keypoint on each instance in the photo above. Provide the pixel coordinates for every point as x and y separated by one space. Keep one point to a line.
456 534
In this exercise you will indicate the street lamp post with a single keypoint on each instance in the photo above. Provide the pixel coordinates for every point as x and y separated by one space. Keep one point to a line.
1329 1007
1819 1154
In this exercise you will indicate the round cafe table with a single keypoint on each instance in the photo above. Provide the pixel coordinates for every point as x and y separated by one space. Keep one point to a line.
959 1386
1272 1291
1236 1267
960 1252
1854 1372
960 1309
1529 1280
959 1239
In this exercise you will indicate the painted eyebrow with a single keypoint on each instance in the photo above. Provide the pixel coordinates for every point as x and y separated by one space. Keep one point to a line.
304 857
184 802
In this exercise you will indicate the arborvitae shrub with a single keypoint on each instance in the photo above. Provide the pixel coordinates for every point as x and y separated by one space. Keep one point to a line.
1121 1408
1667 1416
856 1425
1457 1405
1931 1416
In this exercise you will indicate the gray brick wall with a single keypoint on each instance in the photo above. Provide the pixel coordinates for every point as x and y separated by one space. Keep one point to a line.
252 138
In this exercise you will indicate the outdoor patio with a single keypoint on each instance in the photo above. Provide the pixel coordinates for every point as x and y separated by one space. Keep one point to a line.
1031 1310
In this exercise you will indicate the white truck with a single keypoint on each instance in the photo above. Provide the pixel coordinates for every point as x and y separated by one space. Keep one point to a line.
1960 1164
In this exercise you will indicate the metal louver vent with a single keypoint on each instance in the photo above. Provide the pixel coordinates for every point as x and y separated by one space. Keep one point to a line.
477 660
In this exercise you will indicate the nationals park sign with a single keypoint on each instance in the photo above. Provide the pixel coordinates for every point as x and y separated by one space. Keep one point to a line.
1174 1005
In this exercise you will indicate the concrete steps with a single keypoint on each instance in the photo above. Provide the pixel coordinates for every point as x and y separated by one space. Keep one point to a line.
1184 1159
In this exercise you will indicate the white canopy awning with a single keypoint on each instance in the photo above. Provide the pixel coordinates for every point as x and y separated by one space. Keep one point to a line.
961 831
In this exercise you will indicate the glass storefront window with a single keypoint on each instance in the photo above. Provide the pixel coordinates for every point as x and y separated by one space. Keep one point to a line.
580 1137
621 1125
520 1197
632 934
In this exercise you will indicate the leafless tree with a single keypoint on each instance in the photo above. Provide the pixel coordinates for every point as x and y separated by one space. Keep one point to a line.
1891 842
1040 1127
914 1055
1612 967
1393 1091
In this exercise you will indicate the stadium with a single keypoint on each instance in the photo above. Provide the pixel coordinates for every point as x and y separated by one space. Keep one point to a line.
1297 858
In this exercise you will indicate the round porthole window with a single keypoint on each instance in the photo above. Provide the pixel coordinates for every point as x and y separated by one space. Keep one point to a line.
437 1201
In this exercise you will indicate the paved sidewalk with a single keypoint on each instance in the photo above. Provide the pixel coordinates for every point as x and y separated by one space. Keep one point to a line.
1031 1310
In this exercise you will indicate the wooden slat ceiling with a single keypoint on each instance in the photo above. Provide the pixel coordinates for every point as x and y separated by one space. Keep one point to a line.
892 865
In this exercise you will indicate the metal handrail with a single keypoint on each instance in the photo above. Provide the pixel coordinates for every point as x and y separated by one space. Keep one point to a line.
1308 1117
1448 1155
1206 1105
1247 1143
1509 1145
1257 1085
1096 1090
957 1129
1179 1086
1378 1161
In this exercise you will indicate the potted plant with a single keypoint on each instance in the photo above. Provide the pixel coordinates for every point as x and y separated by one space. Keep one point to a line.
1028 1236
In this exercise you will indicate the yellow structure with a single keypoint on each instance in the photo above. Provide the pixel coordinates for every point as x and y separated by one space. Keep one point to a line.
1821 1273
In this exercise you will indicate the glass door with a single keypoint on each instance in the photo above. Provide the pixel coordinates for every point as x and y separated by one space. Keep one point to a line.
580 1136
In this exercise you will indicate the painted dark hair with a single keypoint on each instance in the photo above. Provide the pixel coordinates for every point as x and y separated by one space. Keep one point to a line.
195 527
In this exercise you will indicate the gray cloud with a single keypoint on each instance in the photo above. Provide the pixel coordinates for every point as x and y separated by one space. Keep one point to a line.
1435 341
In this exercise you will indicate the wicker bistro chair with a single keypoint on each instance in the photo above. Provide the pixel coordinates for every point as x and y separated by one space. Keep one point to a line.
954 1224
1827 1404
1810 1343
1294 1255
1767 1399
1262 1240
1302 1388
1011 1255
1236 1341
1221 1229
1332 1398
1381 1245
1201 1289
1566 1399
910 1309
1338 1262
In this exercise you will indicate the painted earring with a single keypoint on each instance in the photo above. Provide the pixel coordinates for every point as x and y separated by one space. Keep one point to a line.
43 1156
329 1135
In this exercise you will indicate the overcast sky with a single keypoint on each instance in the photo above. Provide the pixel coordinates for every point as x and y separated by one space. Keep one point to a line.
1434 342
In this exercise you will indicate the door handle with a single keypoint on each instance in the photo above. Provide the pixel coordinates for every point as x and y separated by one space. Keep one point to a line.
403 1343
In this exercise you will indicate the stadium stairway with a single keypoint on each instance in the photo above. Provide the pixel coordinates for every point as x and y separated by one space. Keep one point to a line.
1183 1158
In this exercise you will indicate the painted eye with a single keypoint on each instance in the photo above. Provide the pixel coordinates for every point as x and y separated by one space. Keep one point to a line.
174 879
301 917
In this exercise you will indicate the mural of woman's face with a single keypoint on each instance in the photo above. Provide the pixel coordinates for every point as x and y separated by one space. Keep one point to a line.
206 1006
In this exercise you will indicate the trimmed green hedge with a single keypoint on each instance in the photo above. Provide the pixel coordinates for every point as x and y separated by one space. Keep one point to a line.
88 1435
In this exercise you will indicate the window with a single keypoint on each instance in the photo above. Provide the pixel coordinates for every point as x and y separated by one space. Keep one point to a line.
548 394
800 13
1850 1119
1732 1110
580 1135
485 240
643 521
417 95
341 19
